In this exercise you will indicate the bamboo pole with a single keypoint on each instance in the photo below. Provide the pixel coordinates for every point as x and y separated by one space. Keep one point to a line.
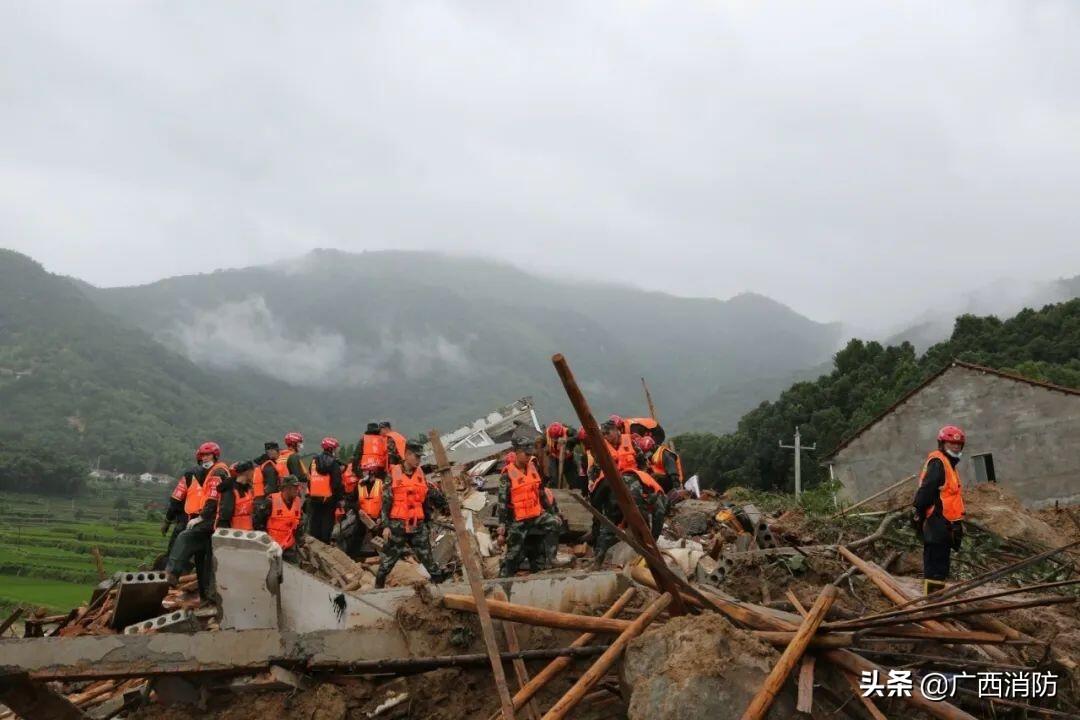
761 702
559 664
472 573
875 496
631 515
514 646
887 589
648 399
585 683
528 615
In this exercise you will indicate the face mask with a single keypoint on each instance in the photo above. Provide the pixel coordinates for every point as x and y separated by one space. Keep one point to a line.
207 464
299 447
955 454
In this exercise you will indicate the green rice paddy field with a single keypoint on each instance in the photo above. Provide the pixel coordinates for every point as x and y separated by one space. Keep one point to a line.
45 542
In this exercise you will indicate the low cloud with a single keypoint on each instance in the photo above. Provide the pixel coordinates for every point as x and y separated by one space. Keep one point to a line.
246 334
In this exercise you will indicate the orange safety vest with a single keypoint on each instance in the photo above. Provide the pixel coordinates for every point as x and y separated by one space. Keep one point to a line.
399 442
245 505
282 465
283 521
375 454
258 484
196 497
349 479
952 498
647 422
649 482
410 491
370 499
524 492
624 455
319 486
657 462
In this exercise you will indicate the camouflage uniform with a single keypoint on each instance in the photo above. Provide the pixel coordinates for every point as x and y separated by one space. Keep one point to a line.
400 542
547 524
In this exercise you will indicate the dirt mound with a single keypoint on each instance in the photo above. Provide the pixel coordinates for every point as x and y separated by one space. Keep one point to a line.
695 667
1000 512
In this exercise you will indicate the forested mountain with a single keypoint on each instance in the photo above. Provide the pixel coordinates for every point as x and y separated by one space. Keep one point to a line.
133 378
866 378
429 338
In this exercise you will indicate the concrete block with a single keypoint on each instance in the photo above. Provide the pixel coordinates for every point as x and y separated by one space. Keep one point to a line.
247 578
139 597
180 621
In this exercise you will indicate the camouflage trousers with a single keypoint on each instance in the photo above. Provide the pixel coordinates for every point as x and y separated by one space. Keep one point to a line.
401 542
547 526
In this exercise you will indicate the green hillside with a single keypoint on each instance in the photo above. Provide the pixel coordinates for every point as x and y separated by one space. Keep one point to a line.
78 386
866 378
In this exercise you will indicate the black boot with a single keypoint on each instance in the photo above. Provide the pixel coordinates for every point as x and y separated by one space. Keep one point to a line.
380 581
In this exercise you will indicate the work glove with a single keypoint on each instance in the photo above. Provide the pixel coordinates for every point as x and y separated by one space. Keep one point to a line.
165 527
193 522
917 521
957 534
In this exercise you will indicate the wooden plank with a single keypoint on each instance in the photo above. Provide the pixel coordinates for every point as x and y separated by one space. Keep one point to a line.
867 703
528 615
473 574
761 702
806 685
514 646
35 701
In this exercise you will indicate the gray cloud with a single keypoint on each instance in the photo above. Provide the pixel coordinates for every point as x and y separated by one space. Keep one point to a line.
246 334
856 160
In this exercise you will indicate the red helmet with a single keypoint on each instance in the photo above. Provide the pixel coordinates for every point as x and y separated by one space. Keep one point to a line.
581 434
556 430
330 444
293 438
951 434
208 448
615 419
644 443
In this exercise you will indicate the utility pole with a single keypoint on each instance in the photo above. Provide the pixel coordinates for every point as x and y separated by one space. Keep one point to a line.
798 447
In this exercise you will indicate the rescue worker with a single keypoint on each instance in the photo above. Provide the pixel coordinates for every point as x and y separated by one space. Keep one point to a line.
397 442
237 503
653 502
408 503
666 466
326 491
522 511
939 507
201 506
372 454
264 482
560 441
280 518
369 495
174 514
601 496
349 529
289 462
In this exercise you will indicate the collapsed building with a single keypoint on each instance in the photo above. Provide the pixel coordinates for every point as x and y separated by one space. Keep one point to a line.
738 610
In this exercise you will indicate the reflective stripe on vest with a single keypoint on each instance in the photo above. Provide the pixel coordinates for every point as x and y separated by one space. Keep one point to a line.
524 492
951 493
410 491
370 499
374 454
283 521
245 505
319 486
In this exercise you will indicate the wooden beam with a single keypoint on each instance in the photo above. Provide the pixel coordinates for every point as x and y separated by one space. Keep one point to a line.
473 574
600 668
528 615
761 702
867 703
641 530
648 399
558 665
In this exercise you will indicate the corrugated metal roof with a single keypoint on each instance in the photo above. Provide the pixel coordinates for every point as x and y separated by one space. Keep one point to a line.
955 363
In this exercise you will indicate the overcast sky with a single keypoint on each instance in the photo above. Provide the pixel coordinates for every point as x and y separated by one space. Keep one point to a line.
853 160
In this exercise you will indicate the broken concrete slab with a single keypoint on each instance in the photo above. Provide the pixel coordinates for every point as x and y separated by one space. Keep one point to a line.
138 597
247 574
178 621
275 678
578 519
692 517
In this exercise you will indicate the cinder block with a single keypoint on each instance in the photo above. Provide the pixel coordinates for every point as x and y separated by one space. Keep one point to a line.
247 578
182 621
